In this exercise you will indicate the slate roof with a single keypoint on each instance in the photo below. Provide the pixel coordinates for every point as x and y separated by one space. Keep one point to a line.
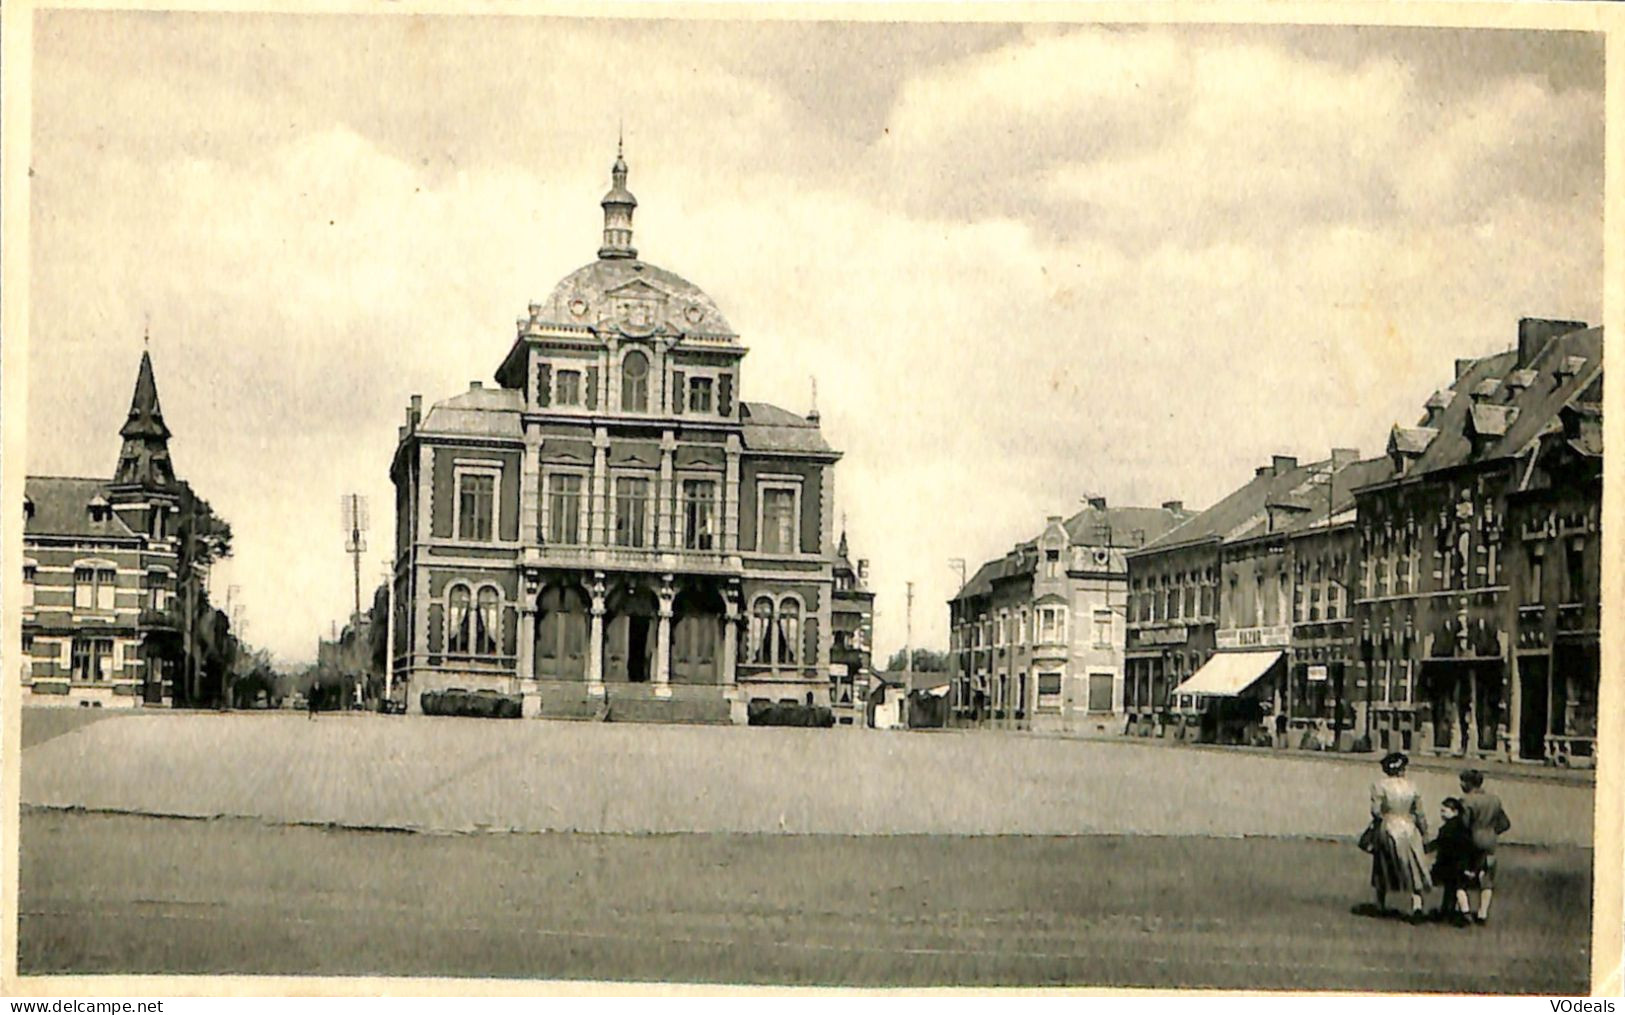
62 508
1082 529
1314 503
477 412
1130 526
770 428
1298 496
1560 372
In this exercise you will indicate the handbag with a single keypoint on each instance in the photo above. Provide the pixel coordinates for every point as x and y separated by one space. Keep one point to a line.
1368 839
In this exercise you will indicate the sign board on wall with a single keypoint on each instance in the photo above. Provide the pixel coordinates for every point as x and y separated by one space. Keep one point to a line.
1317 672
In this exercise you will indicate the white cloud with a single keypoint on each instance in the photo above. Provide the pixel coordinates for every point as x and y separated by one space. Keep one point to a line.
1124 261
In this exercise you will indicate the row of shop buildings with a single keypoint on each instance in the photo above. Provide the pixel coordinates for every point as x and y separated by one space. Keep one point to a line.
1444 597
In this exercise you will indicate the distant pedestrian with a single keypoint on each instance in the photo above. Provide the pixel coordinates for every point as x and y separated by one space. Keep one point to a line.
1487 820
310 703
1398 862
1455 863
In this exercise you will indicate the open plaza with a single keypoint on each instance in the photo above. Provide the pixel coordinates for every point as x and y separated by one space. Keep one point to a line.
270 843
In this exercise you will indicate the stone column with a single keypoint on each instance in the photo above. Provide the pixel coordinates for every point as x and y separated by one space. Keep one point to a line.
529 592
662 675
595 639
730 637
599 503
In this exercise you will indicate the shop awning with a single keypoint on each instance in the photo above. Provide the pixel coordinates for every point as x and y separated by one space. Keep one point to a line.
1228 674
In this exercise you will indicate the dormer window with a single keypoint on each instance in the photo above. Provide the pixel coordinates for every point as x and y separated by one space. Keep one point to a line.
28 508
100 510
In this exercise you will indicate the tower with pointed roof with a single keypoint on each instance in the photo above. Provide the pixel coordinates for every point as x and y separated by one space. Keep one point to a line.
143 488
143 461
101 573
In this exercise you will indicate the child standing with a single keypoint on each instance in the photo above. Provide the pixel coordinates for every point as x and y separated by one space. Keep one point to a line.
1455 864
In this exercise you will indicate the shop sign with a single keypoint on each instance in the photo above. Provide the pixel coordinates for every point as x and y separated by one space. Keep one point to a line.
1254 637
1317 673
1163 635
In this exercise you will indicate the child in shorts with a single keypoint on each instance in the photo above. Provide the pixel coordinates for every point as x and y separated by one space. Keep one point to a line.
1455 864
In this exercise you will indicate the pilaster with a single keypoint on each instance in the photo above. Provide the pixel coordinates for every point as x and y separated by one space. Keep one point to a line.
600 486
530 488
730 497
666 536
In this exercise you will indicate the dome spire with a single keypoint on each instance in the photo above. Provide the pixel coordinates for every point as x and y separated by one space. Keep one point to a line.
618 205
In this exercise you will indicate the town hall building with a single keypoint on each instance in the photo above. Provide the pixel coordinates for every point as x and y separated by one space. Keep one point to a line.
612 531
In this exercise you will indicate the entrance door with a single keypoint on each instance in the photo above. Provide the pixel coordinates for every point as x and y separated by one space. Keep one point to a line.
1534 680
152 687
637 650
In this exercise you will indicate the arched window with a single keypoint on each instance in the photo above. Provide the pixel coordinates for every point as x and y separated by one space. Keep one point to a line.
457 620
761 626
789 630
486 621
635 382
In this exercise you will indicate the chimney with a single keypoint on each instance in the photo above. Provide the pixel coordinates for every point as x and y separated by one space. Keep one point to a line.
863 569
1262 471
415 413
1342 458
475 385
1053 520
1463 365
1535 332
1173 505
1283 463
1097 502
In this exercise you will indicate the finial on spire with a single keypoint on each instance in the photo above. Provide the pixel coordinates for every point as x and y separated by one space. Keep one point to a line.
146 331
812 414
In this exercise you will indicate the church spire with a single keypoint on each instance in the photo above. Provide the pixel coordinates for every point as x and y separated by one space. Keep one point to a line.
618 205
144 459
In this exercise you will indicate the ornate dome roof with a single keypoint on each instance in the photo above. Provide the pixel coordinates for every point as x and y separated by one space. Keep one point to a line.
622 293
633 297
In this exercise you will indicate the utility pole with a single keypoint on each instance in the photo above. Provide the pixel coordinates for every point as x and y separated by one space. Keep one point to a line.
354 507
908 653
908 637
957 676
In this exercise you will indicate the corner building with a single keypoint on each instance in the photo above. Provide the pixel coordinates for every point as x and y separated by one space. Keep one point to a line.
100 563
613 532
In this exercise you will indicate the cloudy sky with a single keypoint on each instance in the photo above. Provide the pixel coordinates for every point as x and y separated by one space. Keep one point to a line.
1025 263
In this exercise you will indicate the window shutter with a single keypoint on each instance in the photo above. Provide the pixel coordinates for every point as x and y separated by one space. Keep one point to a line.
679 392
809 627
592 387
544 385
725 394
